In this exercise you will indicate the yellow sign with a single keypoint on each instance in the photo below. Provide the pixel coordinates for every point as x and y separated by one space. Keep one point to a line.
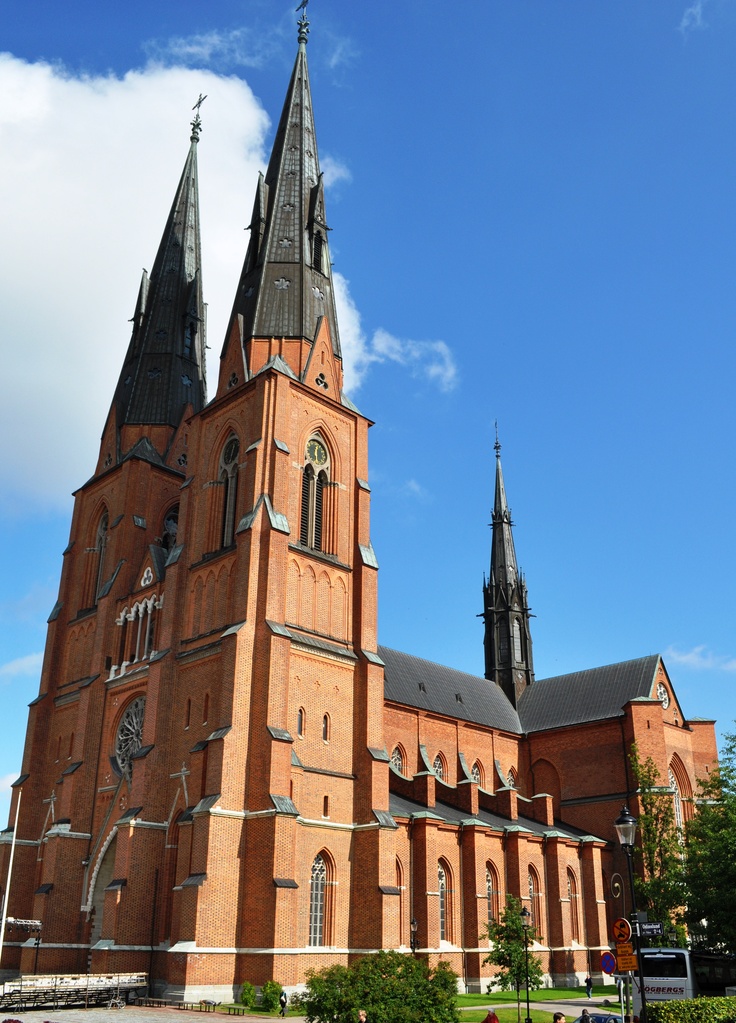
626 963
624 948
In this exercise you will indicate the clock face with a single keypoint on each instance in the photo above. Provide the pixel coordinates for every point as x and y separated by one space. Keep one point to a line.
316 452
663 695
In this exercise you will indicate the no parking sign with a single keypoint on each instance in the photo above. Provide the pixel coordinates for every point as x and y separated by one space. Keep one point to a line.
608 962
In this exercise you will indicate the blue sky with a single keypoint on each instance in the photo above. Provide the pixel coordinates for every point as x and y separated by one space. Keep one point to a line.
533 213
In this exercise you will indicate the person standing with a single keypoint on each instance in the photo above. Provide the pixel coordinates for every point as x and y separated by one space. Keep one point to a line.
588 986
283 1001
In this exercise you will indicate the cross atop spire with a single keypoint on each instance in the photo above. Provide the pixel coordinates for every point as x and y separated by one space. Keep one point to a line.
197 122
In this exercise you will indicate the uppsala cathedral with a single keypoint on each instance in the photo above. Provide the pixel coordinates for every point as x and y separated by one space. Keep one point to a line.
225 776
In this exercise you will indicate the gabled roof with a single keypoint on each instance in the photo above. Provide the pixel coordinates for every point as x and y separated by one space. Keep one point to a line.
440 690
590 695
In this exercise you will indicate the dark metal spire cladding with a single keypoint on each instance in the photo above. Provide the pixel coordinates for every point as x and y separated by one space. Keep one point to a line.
286 284
164 368
508 641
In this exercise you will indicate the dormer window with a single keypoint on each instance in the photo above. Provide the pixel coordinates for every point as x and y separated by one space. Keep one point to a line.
318 252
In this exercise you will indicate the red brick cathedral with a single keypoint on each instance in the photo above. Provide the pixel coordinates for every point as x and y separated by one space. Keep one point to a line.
225 777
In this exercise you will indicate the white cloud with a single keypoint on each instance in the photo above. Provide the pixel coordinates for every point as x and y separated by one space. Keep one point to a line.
240 47
6 780
334 171
432 360
700 659
692 18
92 163
22 666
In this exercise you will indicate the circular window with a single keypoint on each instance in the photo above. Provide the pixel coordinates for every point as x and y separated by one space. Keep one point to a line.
663 695
130 734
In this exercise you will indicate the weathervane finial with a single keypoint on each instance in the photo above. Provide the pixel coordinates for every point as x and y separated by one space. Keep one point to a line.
497 445
197 122
303 23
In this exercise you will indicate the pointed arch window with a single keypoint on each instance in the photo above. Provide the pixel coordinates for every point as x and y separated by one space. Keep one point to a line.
315 490
170 527
319 902
492 893
300 718
679 820
439 766
574 896
476 773
96 576
318 252
397 759
516 634
228 478
503 642
535 903
444 889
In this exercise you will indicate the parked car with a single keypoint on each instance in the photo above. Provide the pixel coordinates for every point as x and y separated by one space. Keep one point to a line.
598 1017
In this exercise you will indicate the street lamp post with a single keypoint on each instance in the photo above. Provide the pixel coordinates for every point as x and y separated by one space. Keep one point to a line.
625 825
413 943
526 918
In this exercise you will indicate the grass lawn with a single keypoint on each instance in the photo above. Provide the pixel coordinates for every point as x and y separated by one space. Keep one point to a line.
509 1015
544 994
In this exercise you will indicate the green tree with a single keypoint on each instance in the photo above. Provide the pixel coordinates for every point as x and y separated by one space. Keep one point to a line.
509 952
391 987
660 887
711 858
270 993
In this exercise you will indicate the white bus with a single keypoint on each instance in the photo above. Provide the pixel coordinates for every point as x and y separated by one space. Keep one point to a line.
668 974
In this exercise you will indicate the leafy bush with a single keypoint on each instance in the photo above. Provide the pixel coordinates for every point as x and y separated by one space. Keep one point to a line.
270 995
696 1010
392 987
247 995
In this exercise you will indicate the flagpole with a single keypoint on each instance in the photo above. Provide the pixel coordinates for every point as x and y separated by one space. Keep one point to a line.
10 873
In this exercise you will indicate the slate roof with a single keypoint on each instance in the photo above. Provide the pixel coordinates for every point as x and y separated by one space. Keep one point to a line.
435 688
402 808
590 695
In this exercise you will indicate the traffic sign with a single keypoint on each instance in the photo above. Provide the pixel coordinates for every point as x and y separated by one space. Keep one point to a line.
621 929
652 929
608 962
626 963
624 948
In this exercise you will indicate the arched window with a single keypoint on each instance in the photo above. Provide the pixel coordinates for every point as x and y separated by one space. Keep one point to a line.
476 773
444 888
516 632
574 897
511 779
318 248
95 573
315 480
439 766
228 478
402 912
170 527
492 893
679 822
397 759
319 904
503 642
300 722
326 728
535 903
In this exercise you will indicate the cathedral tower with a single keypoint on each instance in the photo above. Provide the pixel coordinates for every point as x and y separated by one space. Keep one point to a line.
508 639
205 769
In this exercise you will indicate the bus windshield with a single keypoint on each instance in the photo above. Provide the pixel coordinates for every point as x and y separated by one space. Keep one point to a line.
665 964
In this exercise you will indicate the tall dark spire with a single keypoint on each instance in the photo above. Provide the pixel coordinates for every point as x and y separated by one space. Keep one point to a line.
508 641
286 284
164 368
